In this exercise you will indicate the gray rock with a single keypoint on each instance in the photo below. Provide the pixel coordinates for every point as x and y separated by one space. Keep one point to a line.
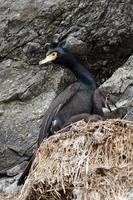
105 28
120 86
76 46
19 123
31 47
9 185
15 170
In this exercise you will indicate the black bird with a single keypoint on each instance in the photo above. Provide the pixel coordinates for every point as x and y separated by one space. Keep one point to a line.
78 98
74 100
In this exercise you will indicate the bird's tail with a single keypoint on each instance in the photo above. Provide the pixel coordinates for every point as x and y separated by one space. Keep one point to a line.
24 175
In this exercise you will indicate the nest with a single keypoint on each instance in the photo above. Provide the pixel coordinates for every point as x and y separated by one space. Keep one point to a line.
91 161
4 196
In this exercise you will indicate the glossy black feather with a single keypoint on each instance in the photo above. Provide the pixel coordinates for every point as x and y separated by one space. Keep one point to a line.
83 116
74 100
60 101
22 178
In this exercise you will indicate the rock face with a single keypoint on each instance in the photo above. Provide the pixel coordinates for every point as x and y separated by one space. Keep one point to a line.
120 86
97 164
99 33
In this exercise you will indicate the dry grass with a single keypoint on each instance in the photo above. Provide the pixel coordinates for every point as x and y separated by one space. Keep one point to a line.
91 161
4 196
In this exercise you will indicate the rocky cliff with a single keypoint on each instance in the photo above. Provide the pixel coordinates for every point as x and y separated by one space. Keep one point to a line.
99 33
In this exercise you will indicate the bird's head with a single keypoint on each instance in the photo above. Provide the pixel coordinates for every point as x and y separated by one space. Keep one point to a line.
57 55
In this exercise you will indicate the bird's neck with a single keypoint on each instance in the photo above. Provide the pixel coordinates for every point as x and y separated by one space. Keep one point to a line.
81 73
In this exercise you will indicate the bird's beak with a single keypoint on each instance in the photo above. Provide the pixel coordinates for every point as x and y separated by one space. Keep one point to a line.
48 58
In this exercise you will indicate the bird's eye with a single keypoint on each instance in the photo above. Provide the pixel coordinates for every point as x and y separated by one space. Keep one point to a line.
54 54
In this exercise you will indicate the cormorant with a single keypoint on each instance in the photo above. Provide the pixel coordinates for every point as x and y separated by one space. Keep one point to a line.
74 100
79 100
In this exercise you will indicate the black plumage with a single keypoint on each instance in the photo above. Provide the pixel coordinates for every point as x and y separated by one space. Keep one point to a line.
100 99
83 116
79 100
74 100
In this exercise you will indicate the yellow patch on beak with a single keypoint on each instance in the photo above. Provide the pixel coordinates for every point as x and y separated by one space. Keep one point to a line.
52 56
